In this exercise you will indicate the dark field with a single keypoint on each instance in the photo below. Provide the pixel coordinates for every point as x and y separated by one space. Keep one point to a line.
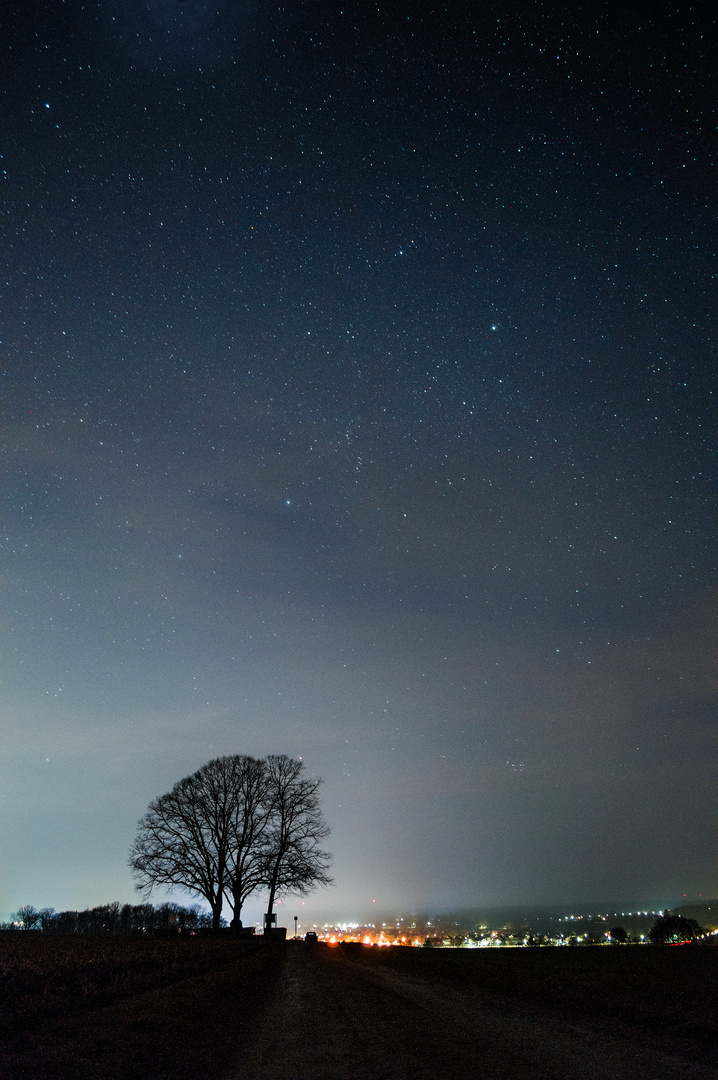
135 1009
127 1008
669 989
50 976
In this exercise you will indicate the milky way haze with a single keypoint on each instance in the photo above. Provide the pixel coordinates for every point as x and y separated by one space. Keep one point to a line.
357 384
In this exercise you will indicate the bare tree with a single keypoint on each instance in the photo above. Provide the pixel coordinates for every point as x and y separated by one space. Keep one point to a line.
235 826
184 838
294 862
46 919
247 833
28 916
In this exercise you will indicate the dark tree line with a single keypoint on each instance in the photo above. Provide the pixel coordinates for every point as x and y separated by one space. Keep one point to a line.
672 929
115 918
236 826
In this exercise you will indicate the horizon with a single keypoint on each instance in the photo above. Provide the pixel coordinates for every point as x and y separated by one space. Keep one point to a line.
558 910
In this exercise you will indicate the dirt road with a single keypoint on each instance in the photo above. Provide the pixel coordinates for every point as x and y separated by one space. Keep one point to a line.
337 1017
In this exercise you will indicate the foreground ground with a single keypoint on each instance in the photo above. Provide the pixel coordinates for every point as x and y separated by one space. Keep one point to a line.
116 1009
82 1008
405 1014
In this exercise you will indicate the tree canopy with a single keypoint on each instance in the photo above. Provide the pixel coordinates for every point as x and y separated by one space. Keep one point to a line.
236 826
671 929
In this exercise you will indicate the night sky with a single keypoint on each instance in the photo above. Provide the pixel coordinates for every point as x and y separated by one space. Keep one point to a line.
357 406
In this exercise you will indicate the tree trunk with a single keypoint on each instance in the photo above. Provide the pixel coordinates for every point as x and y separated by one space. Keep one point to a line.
270 902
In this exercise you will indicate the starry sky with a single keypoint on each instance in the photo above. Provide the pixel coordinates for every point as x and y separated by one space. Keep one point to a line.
357 406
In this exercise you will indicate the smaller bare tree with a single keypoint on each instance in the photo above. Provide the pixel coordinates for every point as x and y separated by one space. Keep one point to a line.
294 861
28 916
